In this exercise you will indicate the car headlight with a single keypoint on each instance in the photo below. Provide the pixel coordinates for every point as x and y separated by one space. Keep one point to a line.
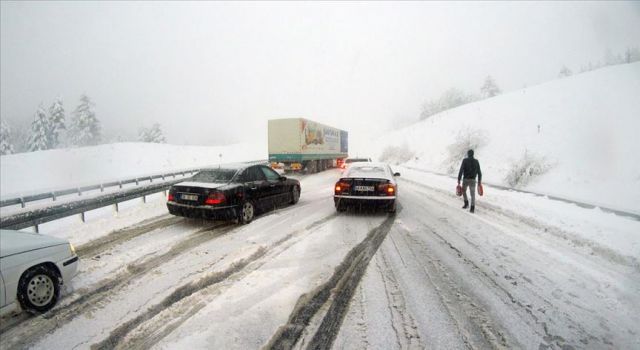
72 248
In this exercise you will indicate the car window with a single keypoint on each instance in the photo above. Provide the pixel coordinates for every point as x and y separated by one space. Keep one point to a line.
367 171
217 175
270 174
256 174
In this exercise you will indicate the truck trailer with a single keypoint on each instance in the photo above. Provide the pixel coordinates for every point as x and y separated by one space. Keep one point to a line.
302 145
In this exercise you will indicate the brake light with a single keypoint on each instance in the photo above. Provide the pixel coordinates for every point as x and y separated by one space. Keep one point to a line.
341 187
171 198
215 198
387 190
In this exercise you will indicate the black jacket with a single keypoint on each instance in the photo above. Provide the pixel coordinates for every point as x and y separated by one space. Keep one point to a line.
470 168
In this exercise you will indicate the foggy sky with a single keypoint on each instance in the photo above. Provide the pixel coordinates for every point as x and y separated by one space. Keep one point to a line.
213 73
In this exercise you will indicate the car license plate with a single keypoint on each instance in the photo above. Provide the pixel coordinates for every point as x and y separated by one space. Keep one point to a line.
189 197
363 188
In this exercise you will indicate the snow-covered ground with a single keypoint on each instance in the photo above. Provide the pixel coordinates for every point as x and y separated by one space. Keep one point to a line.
36 172
523 272
584 127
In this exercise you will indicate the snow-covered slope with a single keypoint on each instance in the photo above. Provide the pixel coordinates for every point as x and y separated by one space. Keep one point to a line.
63 168
587 135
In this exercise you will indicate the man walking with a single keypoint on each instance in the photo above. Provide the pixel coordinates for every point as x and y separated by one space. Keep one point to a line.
470 168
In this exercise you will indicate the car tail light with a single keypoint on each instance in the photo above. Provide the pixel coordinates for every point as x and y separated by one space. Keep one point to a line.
171 198
341 187
387 190
215 198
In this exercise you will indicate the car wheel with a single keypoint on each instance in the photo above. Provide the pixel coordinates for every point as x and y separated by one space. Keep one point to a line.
38 289
247 212
340 208
295 195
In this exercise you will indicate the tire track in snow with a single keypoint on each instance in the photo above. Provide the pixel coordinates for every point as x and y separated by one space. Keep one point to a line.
89 300
404 326
339 289
100 244
473 323
125 234
537 318
178 313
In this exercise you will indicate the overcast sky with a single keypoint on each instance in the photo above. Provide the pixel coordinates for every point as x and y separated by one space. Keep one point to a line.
213 72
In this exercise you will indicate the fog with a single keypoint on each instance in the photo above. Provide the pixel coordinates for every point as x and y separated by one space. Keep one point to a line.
212 73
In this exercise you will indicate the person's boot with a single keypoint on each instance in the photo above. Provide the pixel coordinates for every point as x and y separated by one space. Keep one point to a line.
473 209
466 205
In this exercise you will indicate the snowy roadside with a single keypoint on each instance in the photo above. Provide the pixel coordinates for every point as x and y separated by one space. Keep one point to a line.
593 228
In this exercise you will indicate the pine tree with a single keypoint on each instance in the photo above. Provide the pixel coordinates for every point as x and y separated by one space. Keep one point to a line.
5 139
56 115
85 127
153 134
489 88
40 127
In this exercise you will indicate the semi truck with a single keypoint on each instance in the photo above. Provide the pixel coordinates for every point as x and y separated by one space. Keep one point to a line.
302 145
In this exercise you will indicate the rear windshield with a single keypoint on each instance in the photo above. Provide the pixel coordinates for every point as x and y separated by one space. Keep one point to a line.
355 160
218 175
367 171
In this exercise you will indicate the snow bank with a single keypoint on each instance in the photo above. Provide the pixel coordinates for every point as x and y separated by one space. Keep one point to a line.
582 128
41 171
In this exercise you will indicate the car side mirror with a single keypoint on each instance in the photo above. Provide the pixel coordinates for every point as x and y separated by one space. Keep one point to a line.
396 174
283 178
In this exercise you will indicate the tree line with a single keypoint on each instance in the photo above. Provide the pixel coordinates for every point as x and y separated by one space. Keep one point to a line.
51 129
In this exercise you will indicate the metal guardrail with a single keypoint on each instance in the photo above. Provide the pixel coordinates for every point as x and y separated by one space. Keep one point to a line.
39 216
55 194
36 217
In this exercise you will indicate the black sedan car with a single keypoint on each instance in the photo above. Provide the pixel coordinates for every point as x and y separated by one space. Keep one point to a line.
232 193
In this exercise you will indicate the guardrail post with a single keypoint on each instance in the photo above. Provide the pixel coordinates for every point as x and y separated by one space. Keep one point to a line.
22 202
101 188
115 208
150 179
120 183
36 228
144 199
136 181
79 192
53 195
82 217
162 177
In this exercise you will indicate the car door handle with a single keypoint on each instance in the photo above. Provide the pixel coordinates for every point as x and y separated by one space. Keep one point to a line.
253 188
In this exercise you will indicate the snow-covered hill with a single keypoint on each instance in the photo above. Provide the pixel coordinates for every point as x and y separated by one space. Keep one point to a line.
63 168
583 129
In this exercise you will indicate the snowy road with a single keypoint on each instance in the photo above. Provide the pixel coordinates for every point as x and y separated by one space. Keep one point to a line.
432 276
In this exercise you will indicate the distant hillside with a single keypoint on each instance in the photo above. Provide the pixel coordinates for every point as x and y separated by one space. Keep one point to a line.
62 168
584 130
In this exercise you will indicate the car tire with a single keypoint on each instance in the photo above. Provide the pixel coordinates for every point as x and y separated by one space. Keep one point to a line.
247 213
295 195
340 208
38 289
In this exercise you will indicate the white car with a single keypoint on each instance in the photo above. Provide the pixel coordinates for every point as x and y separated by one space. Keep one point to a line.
32 269
348 161
367 183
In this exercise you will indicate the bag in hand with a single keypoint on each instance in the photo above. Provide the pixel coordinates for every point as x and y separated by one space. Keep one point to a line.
458 190
480 189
